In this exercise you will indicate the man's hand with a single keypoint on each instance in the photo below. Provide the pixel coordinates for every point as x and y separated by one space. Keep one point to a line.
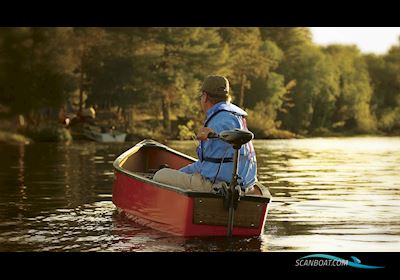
203 133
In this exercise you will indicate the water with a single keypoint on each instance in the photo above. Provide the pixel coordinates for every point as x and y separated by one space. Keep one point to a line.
329 194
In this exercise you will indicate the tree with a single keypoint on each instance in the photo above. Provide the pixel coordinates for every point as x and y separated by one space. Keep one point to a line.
176 59
263 117
249 57
384 73
35 72
308 67
304 65
355 92
87 41
287 38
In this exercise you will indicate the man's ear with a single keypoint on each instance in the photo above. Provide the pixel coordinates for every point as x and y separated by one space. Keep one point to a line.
206 97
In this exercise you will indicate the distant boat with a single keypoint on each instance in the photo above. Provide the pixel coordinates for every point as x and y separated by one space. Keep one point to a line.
174 210
100 135
83 127
82 131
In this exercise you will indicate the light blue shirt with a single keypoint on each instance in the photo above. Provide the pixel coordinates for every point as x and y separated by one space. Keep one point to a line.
230 118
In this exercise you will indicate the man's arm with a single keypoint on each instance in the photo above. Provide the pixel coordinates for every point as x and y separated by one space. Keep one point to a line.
191 168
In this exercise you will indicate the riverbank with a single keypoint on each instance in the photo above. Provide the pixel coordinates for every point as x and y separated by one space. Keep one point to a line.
13 138
351 134
52 132
17 138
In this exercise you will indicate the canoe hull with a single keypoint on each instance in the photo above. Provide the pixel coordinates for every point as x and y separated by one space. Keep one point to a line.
180 212
168 211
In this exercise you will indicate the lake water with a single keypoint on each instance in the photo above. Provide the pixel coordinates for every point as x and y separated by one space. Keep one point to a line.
329 194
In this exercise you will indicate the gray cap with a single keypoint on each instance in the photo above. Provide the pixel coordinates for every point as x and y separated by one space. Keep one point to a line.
216 85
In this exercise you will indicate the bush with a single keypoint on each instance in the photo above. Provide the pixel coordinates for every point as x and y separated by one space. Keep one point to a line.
265 128
49 133
186 131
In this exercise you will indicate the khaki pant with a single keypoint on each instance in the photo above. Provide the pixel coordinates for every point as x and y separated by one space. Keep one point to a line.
193 182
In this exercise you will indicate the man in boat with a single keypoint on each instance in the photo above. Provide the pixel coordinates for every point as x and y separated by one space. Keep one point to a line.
215 163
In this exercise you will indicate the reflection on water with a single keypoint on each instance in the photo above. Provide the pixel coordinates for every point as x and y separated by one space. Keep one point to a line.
333 194
329 194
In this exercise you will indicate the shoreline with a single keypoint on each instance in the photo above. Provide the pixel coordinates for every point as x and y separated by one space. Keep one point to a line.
17 138
13 138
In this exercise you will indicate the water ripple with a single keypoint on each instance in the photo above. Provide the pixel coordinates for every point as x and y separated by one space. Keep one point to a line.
329 194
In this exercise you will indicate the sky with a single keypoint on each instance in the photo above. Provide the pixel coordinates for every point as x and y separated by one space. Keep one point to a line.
376 40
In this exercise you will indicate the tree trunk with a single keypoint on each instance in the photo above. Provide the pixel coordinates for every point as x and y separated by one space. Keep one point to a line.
241 94
166 108
80 93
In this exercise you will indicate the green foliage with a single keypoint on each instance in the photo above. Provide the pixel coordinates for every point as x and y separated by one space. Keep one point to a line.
33 69
311 71
257 121
384 74
390 120
265 127
286 83
249 57
186 131
177 58
355 92
287 38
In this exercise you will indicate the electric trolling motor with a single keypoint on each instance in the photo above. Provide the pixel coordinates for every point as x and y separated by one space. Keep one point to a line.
237 138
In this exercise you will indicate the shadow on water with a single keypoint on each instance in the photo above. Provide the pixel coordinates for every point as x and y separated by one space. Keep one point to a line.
58 198
333 194
138 238
42 179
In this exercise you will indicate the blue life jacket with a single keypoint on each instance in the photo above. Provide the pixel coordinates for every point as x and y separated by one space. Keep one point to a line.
241 114
216 156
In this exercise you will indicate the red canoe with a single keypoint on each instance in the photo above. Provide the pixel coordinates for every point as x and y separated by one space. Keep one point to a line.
174 210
